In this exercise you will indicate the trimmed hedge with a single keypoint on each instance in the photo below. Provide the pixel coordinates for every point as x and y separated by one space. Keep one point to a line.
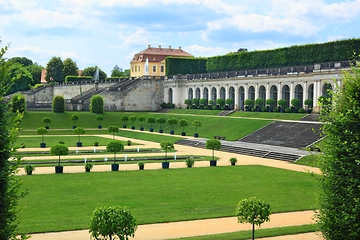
58 104
97 104
181 65
77 79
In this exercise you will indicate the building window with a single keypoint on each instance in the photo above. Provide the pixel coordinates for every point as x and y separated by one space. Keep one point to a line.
161 68
154 68
139 68
132 68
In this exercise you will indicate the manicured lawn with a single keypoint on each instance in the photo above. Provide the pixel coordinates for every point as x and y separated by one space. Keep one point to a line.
195 111
310 160
66 201
231 128
269 115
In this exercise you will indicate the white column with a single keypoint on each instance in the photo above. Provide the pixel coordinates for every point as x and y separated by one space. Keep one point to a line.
267 91
292 91
256 91
279 92
236 98
305 92
246 92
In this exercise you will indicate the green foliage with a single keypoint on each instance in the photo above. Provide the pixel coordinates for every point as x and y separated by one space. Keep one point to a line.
167 146
114 146
133 119
124 119
339 205
196 124
70 78
59 150
203 101
97 104
99 118
183 123
47 121
295 103
190 162
58 104
233 160
309 102
22 79
112 222
29 169
248 103
213 144
35 71
282 103
74 118
78 131
69 68
18 103
270 102
41 131
188 65
172 122
54 70
187 102
90 71
151 120
259 102
254 211
141 120
220 102
229 101
113 129
161 121
195 101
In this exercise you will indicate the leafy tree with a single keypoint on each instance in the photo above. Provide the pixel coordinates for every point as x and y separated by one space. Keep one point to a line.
58 104
22 79
74 118
22 60
116 72
151 120
59 150
70 68
254 211
282 103
41 131
187 102
259 102
54 70
220 102
296 103
172 122
229 101
203 101
213 144
211 102
161 121
196 124
132 119
47 121
339 205
248 103
114 146
270 102
141 120
9 185
99 118
113 129
167 146
35 71
124 119
183 123
90 71
112 222
97 104
309 102
78 131
18 103
195 101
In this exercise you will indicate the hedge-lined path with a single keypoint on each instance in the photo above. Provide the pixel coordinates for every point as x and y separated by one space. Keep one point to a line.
199 227
185 228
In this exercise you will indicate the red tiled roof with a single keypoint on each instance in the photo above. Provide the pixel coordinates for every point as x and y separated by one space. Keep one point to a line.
159 54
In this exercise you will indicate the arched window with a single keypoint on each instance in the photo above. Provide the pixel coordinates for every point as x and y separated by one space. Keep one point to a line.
232 94
286 94
251 94
241 97
222 93
206 94
197 93
299 94
171 95
213 94
311 92
274 93
325 90
190 94
262 95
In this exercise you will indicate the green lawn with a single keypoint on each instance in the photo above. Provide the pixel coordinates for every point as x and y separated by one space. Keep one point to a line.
231 128
194 111
66 201
269 115
310 160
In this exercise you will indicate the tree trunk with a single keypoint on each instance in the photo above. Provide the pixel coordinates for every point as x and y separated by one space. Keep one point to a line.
253 232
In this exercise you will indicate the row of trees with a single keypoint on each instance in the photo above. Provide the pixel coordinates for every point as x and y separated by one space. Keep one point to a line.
203 103
282 105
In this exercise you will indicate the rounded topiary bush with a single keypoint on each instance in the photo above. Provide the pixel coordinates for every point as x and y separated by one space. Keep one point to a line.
97 104
58 104
18 103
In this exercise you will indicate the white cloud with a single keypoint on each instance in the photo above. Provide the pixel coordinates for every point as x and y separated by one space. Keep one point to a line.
139 38
203 51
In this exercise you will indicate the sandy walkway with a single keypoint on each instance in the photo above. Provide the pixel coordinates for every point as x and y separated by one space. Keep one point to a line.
187 228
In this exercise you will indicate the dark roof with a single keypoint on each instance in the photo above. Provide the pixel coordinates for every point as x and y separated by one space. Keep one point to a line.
158 54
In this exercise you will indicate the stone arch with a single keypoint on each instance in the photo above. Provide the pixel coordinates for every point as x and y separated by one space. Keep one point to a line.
171 98
262 95
213 94
285 93
223 93
206 94
251 93
190 94
241 97
299 93
325 89
197 93
274 93
310 94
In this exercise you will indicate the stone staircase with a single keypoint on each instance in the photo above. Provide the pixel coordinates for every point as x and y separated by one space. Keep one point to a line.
245 151
311 117
82 98
225 112
286 134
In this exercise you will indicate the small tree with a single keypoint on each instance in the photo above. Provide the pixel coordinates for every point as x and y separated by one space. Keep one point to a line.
187 102
229 102
97 104
113 129
183 123
203 101
59 150
41 131
270 102
115 146
58 104
99 118
196 124
167 146
253 211
220 102
151 120
213 144
172 122
133 119
78 131
124 119
74 118
282 103
259 102
141 120
18 103
195 101
296 103
309 103
112 222
47 121
161 121
248 104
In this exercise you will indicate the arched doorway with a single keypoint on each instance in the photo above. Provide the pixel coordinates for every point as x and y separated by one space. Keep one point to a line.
213 95
299 94
206 94
262 95
190 94
222 93
197 93
274 94
241 98
170 99
251 93
285 93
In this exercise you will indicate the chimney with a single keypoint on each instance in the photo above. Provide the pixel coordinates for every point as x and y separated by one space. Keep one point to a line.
169 47
160 46
149 46
179 47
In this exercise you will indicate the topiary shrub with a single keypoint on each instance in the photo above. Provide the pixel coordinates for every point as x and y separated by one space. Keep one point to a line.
18 103
58 104
97 104
288 110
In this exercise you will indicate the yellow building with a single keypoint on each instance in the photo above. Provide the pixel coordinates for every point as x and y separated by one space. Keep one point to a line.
151 61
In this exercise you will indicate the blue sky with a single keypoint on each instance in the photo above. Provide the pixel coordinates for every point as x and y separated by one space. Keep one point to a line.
109 32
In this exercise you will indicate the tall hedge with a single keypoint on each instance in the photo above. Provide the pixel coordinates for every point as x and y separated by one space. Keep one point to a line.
58 104
18 103
97 104
69 79
188 65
